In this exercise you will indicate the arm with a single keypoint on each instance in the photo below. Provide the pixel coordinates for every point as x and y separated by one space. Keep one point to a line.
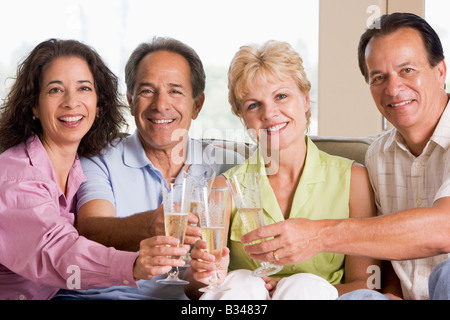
409 234
96 217
97 221
361 205
34 225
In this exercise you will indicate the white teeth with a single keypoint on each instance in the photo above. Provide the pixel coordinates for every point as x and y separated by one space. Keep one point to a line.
162 121
277 127
71 118
401 103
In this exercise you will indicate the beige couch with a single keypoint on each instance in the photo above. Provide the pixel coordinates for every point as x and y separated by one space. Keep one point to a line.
351 148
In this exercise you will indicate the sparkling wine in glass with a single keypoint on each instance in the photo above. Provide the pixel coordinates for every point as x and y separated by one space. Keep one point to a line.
199 175
245 190
176 203
212 212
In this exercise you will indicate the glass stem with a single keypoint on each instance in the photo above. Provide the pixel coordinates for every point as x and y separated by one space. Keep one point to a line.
174 272
214 279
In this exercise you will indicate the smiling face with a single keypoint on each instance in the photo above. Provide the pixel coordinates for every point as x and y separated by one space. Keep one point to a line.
162 102
405 88
276 110
67 103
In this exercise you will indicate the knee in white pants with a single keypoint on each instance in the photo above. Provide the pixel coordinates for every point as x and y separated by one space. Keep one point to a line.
242 286
304 286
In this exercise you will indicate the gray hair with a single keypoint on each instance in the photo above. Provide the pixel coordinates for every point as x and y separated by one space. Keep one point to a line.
198 77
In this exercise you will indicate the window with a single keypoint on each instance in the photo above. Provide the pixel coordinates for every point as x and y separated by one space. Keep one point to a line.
436 14
215 29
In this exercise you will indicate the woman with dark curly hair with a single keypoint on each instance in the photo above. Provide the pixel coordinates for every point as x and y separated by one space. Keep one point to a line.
64 103
17 123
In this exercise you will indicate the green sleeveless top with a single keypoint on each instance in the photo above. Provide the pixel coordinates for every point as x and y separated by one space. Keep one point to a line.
323 192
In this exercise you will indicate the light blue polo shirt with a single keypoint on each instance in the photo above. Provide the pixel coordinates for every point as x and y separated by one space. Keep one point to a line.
127 178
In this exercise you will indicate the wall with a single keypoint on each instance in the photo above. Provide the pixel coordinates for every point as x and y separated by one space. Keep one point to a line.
345 105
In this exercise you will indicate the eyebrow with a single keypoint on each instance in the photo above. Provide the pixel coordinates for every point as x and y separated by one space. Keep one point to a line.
60 82
176 85
149 84
401 65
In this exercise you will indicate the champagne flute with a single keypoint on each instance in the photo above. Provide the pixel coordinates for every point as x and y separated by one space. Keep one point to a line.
176 202
212 212
199 175
245 190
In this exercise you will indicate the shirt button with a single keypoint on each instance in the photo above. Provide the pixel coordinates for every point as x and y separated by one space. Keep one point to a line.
422 272
418 164
22 297
419 202
126 282
293 268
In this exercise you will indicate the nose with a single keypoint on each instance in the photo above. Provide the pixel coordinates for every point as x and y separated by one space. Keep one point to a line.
394 85
71 100
269 111
160 102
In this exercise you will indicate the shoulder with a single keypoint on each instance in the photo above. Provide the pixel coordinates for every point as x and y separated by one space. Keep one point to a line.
359 174
23 185
378 145
326 160
16 166
109 155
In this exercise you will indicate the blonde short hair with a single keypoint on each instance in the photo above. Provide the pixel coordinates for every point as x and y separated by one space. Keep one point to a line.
273 60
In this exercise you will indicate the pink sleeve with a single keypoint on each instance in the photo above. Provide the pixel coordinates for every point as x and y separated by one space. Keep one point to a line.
40 244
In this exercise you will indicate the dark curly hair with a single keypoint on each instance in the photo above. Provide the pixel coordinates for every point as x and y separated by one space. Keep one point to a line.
16 117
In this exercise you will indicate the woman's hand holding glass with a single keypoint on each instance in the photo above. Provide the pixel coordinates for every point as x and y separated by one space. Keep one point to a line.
203 266
155 257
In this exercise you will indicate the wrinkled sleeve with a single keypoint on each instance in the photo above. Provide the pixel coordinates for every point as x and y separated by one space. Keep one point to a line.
40 245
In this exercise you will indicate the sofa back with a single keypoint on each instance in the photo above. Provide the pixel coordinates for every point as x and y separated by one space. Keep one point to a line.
351 148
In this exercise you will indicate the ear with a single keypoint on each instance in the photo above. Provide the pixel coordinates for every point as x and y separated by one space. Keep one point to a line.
130 103
307 101
198 104
35 111
442 69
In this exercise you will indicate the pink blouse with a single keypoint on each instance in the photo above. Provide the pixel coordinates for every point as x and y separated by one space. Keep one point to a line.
40 249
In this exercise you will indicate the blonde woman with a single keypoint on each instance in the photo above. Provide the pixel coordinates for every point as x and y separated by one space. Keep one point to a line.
269 91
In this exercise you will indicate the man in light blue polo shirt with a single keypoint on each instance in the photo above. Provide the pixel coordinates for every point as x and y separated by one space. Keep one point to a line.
120 203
